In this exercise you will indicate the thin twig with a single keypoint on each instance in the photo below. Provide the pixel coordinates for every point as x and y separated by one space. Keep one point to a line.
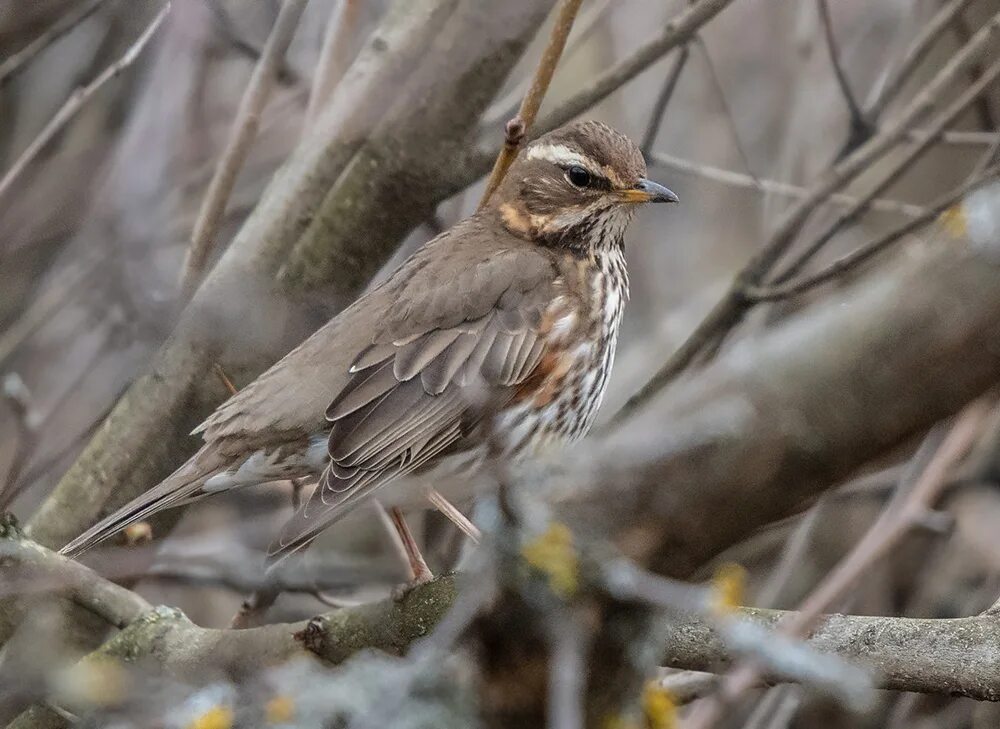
586 22
838 69
919 487
517 128
773 187
956 138
335 57
898 168
989 158
916 493
454 515
913 56
16 63
224 23
54 297
660 106
855 258
983 109
241 136
78 99
389 529
16 393
727 112
679 30
730 309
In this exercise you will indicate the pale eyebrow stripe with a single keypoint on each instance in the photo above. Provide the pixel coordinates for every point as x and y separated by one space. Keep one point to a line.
561 155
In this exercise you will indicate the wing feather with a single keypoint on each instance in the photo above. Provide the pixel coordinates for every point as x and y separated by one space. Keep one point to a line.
408 398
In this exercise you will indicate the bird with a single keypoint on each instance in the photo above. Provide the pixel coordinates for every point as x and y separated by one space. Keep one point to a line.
497 335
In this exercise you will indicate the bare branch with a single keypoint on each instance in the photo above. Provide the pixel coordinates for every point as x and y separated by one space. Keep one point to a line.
78 99
16 393
858 118
241 136
51 571
902 514
677 32
660 105
730 309
587 21
727 112
335 57
852 260
907 654
518 128
773 187
896 170
956 138
16 63
914 55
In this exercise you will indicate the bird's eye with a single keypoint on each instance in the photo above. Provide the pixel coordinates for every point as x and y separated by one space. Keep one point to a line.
578 176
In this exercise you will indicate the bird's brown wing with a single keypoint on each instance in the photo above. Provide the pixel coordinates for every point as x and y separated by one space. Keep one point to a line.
445 356
458 276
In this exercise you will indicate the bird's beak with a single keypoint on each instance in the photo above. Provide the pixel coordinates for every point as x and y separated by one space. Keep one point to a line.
649 191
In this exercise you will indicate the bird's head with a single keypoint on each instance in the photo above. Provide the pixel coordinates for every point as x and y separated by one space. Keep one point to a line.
578 186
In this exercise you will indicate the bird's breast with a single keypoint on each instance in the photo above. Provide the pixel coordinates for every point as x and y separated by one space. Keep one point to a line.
559 402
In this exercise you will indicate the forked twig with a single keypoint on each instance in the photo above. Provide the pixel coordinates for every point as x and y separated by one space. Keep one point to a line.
858 118
679 30
855 258
896 170
729 311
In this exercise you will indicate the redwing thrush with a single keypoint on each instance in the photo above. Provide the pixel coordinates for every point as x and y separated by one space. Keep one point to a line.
512 314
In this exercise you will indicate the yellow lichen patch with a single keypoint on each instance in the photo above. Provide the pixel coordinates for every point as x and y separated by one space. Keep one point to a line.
621 722
659 706
955 221
729 585
553 554
98 681
280 710
138 533
218 717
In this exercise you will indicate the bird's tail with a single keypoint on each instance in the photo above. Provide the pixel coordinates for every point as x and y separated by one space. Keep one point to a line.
181 487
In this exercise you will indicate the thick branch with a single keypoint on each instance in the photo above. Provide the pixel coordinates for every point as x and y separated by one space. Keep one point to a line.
29 567
407 163
951 657
770 425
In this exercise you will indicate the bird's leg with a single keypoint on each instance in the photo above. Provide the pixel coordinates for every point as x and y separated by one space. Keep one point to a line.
254 606
455 516
419 571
